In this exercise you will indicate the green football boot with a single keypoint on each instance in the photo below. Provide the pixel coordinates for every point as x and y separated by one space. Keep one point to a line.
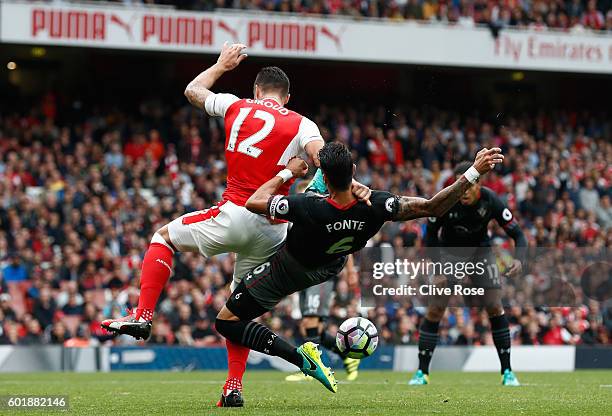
314 367
509 379
351 365
419 379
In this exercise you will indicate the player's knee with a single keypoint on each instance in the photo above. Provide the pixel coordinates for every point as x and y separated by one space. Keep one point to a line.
164 233
162 236
227 315
225 328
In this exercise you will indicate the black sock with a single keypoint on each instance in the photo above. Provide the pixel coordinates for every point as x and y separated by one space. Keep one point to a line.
259 338
312 335
428 339
501 339
329 342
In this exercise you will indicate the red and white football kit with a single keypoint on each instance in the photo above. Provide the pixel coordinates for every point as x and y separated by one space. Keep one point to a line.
261 137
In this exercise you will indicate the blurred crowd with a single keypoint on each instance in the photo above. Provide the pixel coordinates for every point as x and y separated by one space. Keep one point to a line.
576 15
79 202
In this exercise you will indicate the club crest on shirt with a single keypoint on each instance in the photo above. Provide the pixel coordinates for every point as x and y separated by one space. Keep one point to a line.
389 204
282 207
506 214
482 211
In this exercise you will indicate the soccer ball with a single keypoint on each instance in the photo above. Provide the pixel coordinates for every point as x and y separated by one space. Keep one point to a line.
357 338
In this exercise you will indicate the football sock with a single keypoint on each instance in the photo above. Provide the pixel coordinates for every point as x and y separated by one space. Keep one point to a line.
259 338
324 338
428 339
501 339
156 270
312 335
237 356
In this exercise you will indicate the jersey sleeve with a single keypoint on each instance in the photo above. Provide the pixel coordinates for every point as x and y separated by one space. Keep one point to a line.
501 212
386 204
308 132
292 208
216 105
504 217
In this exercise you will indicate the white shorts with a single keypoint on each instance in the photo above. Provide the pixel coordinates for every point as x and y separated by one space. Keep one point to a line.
228 228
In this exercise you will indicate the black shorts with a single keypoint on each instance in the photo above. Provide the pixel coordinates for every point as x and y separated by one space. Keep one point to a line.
487 277
243 305
267 284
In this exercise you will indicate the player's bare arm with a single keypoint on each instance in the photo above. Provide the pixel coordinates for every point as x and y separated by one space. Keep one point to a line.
258 202
312 150
415 207
361 192
199 89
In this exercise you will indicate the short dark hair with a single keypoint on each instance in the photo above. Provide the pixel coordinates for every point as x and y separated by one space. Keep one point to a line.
462 167
337 165
273 78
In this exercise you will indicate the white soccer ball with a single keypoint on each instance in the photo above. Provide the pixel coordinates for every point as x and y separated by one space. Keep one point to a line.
357 338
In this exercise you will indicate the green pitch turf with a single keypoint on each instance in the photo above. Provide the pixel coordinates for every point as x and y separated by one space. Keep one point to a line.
374 393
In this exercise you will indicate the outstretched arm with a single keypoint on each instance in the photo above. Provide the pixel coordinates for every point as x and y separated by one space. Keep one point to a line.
198 90
415 207
258 202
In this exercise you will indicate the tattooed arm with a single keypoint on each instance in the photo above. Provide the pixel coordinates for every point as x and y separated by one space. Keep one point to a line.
198 90
414 207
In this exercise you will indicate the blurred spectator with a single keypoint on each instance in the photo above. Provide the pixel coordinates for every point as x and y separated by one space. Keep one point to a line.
44 307
15 271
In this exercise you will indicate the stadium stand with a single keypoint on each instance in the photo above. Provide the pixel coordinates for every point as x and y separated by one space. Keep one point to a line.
78 206
574 15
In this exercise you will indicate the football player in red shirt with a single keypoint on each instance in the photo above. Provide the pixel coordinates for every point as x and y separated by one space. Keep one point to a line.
261 137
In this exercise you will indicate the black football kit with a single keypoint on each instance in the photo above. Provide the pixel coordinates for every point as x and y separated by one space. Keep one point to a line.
322 235
461 235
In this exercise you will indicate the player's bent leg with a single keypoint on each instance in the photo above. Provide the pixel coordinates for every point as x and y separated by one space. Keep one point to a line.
156 270
257 337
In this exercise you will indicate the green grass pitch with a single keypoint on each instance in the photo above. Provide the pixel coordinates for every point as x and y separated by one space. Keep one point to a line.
266 393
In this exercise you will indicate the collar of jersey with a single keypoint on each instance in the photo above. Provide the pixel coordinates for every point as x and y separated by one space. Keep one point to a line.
342 207
273 99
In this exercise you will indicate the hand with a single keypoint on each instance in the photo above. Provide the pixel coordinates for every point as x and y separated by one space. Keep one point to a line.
298 167
361 192
515 268
486 159
231 56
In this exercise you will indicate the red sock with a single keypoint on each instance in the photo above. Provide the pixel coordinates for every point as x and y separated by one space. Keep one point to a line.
237 356
156 270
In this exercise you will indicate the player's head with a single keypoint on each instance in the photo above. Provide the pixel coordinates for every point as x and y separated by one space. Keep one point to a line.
337 166
472 195
271 81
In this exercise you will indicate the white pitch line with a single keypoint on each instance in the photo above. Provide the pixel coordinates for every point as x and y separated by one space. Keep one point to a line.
605 385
